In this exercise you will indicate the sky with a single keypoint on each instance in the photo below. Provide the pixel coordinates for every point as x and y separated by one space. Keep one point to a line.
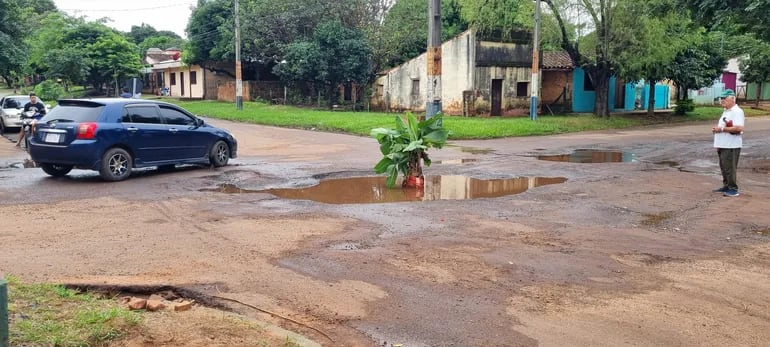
169 15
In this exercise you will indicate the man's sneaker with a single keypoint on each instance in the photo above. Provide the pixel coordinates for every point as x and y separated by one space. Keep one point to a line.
721 190
731 192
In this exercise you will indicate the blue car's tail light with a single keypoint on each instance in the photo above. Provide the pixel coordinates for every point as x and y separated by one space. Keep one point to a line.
87 131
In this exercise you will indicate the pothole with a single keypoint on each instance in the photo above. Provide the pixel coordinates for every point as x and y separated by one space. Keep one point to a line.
364 190
590 156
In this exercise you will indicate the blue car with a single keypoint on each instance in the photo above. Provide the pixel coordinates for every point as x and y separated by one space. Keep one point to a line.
113 136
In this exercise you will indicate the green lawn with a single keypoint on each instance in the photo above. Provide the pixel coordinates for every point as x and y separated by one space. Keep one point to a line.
361 123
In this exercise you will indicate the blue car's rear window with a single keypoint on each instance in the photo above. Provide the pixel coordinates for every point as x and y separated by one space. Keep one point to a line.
78 113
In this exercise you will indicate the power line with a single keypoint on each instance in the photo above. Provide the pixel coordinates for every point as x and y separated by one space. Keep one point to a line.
126 9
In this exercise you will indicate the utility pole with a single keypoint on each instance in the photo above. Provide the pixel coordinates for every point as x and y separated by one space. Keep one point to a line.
238 80
433 99
535 84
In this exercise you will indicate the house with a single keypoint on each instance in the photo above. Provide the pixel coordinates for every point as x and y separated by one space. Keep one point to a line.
479 77
168 74
729 79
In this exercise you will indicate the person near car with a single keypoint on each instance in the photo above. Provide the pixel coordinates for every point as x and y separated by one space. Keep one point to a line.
728 140
37 108
126 94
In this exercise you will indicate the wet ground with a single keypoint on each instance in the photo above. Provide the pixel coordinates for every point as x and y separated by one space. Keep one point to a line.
630 247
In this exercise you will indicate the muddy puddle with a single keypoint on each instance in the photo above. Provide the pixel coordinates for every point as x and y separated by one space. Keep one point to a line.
591 156
366 190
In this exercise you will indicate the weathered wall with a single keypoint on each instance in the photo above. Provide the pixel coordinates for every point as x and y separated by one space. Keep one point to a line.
394 89
462 71
510 76
553 84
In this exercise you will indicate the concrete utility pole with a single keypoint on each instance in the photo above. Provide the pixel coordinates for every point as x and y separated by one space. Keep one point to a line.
433 100
535 84
238 80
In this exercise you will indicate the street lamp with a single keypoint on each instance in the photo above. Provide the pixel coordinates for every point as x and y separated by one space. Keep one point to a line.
535 84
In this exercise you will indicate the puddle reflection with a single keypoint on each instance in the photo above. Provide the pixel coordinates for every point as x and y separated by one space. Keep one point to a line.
364 190
590 156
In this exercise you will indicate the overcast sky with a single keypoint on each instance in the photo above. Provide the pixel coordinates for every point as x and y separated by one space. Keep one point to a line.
162 15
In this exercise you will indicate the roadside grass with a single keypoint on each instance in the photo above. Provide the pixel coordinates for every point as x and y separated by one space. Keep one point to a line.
361 123
51 315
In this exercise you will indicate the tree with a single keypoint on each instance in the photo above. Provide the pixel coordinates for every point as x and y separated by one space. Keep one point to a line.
697 65
210 34
337 54
113 59
643 56
740 16
161 41
405 30
597 60
495 16
67 64
13 51
755 67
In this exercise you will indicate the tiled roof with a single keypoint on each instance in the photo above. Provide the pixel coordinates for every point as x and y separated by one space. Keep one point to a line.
557 60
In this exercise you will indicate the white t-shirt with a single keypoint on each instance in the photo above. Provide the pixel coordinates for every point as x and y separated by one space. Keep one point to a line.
725 139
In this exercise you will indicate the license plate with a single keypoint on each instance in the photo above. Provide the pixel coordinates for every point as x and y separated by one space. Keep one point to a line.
51 137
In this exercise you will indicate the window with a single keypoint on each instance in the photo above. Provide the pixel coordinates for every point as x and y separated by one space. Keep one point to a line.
587 85
173 78
142 114
176 117
521 88
415 87
193 77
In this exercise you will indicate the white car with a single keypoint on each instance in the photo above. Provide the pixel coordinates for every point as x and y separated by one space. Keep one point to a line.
10 109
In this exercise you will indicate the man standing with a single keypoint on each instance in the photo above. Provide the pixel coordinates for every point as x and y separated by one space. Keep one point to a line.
728 140
37 108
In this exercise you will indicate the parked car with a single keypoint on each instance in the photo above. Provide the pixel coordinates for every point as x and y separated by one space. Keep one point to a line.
10 109
114 136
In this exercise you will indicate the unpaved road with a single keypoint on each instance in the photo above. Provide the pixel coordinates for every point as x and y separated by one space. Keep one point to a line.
639 253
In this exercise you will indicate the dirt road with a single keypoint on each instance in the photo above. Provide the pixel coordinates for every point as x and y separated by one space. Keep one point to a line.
630 253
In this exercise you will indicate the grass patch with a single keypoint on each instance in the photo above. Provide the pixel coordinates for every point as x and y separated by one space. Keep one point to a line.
51 315
361 123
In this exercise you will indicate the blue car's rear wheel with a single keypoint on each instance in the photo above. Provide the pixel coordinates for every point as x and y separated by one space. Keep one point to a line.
56 170
116 165
220 154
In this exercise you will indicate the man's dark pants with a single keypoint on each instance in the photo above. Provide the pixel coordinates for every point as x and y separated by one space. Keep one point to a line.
728 163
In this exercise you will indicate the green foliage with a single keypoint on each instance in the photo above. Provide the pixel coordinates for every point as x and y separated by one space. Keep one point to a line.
140 33
403 148
50 90
210 33
337 54
684 106
497 15
13 51
735 16
56 316
697 65
162 42
754 65
405 29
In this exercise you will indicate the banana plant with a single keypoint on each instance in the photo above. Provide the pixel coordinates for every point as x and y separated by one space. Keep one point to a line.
404 148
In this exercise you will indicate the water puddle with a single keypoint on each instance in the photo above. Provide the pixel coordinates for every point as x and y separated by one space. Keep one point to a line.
590 156
454 161
367 190
472 150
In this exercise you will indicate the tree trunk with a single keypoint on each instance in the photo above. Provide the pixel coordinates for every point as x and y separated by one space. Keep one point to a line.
651 100
759 93
601 79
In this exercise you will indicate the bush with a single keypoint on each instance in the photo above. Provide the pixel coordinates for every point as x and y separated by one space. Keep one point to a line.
684 106
49 90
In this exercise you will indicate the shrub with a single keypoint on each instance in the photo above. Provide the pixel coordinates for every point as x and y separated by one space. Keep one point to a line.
49 90
684 106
